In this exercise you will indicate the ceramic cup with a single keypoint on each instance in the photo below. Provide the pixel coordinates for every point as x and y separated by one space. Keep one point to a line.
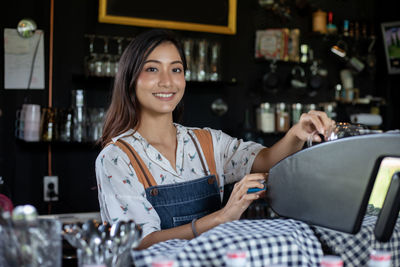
32 123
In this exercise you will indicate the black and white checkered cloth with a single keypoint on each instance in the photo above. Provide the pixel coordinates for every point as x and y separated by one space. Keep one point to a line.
355 249
278 241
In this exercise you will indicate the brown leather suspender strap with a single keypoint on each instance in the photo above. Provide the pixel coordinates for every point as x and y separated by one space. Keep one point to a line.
138 165
206 143
199 153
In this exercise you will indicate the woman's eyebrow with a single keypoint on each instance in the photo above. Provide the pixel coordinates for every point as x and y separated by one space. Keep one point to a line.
159 62
177 62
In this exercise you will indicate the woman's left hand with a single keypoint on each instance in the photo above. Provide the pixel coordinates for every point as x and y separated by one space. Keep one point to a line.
310 122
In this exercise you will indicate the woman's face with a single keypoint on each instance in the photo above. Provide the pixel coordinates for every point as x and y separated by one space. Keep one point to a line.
161 83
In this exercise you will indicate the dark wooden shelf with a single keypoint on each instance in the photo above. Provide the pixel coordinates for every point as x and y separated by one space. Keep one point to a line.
58 143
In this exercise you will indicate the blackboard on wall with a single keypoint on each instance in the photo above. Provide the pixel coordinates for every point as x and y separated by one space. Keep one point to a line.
217 16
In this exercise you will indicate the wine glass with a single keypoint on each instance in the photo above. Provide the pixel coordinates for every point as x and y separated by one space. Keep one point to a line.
108 63
91 58
117 56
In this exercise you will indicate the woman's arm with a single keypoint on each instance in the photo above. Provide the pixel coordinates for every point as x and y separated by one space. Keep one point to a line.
293 141
236 205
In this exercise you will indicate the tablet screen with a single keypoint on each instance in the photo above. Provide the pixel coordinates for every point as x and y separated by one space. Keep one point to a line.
388 167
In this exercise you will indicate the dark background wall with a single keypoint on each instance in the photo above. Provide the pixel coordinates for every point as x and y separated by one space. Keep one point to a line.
23 165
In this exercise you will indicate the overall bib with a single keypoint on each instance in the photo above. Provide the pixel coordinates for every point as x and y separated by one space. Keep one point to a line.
178 204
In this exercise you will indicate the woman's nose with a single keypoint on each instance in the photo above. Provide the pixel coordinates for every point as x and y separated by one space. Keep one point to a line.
165 79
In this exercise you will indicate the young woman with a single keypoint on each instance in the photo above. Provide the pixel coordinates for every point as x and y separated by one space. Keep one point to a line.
167 177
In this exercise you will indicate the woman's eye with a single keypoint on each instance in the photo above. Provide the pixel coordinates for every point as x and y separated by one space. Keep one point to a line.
151 69
178 70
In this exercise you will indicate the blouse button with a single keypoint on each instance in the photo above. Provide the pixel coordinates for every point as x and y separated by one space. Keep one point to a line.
211 180
154 192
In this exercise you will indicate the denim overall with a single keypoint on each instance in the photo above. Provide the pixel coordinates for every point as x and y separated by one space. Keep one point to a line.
178 204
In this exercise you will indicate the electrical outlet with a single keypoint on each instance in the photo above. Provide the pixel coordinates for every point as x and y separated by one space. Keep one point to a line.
50 188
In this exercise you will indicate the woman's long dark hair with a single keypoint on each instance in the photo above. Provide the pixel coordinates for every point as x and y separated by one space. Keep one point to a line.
123 113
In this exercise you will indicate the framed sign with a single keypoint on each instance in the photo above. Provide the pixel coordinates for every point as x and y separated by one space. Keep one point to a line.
391 43
215 16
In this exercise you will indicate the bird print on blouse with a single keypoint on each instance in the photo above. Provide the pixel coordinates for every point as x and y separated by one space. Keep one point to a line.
147 208
130 172
234 163
102 160
127 181
192 157
185 141
115 160
218 136
124 208
162 177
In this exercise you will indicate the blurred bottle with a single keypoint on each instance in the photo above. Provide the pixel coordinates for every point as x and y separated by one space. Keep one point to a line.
345 27
297 109
65 125
331 28
48 125
79 116
282 120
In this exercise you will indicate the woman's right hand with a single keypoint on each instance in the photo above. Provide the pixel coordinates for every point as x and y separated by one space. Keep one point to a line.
239 199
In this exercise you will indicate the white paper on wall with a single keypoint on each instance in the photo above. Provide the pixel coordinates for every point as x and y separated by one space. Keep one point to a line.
19 54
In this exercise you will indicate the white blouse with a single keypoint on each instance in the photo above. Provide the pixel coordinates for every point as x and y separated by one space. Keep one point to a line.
123 197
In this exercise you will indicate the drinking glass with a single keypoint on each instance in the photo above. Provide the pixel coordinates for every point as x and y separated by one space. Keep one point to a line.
340 130
108 62
117 56
188 49
90 59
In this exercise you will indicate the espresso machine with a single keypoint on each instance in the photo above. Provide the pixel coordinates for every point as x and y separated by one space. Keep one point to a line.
329 184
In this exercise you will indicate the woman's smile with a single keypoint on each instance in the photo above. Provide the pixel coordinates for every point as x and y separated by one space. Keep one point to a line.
164 96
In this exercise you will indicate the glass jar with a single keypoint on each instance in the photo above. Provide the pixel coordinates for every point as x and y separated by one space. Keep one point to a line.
48 124
297 109
282 117
266 118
